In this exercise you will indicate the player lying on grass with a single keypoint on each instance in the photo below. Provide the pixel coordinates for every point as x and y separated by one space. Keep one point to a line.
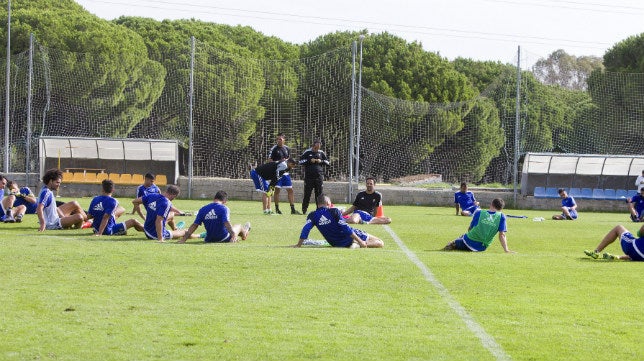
365 205
216 219
633 247
51 216
104 209
335 229
483 227
636 206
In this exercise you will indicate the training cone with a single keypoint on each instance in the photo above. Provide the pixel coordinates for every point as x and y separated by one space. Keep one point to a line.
380 212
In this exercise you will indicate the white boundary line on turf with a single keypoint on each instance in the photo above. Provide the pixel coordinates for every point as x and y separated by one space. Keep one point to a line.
486 339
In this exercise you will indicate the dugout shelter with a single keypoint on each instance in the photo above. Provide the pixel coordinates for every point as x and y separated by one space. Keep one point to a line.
118 158
598 173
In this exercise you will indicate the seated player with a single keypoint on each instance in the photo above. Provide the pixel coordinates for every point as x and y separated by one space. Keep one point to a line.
483 227
334 229
465 200
365 206
568 207
636 206
19 201
158 208
50 216
104 209
632 246
147 187
216 219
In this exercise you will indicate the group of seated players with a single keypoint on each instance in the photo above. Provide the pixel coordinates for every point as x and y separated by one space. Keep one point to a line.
104 211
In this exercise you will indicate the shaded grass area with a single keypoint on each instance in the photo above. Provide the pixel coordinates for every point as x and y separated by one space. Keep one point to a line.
67 295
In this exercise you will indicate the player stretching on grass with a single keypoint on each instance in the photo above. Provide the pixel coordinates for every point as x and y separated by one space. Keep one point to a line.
568 207
465 200
636 206
266 176
633 247
158 208
216 219
365 205
335 230
105 209
18 202
483 227
67 215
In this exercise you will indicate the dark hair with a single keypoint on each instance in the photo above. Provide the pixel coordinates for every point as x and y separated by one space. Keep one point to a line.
2 177
317 141
560 190
370 178
281 135
52 174
498 203
9 183
291 161
149 176
463 184
108 185
173 190
221 196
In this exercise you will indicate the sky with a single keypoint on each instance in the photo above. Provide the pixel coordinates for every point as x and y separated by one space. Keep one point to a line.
477 29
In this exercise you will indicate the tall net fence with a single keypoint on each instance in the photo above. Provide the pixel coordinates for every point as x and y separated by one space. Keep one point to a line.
232 108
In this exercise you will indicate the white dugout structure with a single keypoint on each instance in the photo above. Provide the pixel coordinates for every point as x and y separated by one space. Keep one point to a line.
576 172
112 156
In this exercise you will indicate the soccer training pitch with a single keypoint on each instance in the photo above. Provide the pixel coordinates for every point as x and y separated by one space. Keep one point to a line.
66 295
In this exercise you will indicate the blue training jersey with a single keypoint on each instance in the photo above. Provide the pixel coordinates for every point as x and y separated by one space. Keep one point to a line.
638 203
99 207
214 216
156 204
330 223
143 190
50 211
20 200
465 200
568 202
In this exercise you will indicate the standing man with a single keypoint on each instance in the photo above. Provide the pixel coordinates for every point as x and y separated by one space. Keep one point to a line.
568 207
216 219
67 215
105 209
158 207
19 202
266 176
365 206
279 153
639 182
335 230
483 227
314 161
635 206
466 201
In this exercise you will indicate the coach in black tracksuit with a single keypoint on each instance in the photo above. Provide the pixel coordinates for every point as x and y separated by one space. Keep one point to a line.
314 161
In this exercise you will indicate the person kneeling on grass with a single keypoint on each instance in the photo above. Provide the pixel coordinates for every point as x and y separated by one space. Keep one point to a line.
216 219
633 247
483 227
104 209
335 229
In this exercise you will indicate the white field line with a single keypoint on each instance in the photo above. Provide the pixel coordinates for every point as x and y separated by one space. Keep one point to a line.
486 339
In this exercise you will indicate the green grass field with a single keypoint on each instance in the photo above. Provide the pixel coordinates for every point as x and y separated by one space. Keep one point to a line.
66 295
